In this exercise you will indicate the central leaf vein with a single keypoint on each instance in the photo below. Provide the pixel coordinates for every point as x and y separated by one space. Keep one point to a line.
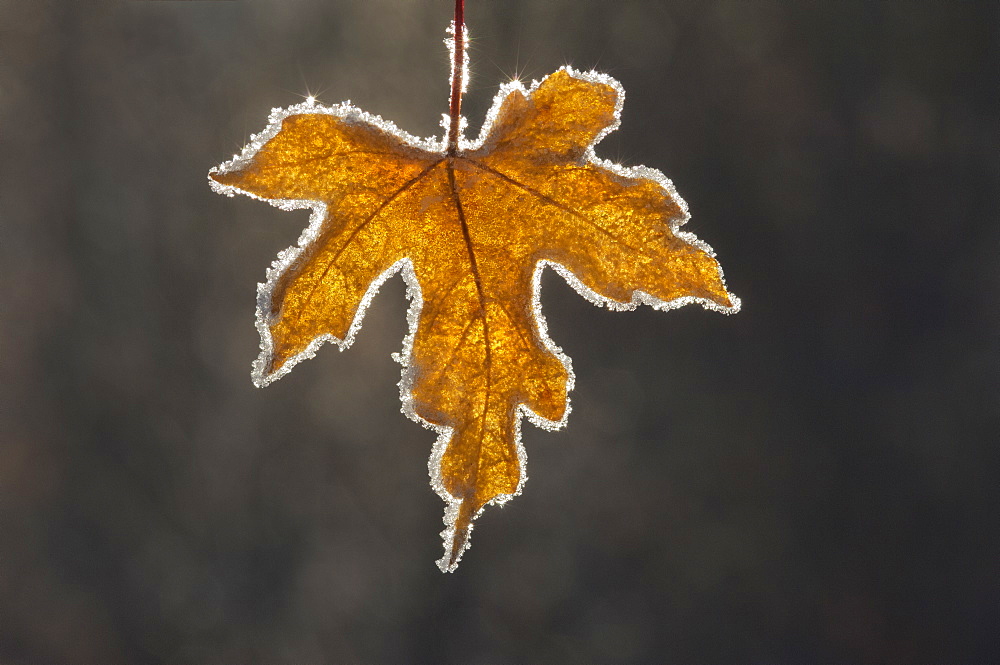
484 316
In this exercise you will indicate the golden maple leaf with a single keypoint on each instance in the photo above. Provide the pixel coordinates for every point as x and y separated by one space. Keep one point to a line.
471 230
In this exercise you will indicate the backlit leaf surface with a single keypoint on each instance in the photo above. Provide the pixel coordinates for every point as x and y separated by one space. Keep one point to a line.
470 232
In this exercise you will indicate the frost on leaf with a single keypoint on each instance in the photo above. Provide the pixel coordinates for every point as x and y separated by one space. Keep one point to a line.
470 232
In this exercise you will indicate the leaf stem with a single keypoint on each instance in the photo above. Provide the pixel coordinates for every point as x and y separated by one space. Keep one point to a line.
457 76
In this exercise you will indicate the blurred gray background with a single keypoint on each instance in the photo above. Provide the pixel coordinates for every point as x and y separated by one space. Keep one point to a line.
813 480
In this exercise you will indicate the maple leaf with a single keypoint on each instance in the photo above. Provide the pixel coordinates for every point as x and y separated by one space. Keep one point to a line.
471 230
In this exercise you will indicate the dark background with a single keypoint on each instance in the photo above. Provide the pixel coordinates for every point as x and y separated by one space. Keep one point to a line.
813 480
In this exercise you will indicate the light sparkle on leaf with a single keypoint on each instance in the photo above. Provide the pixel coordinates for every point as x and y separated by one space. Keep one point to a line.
471 233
